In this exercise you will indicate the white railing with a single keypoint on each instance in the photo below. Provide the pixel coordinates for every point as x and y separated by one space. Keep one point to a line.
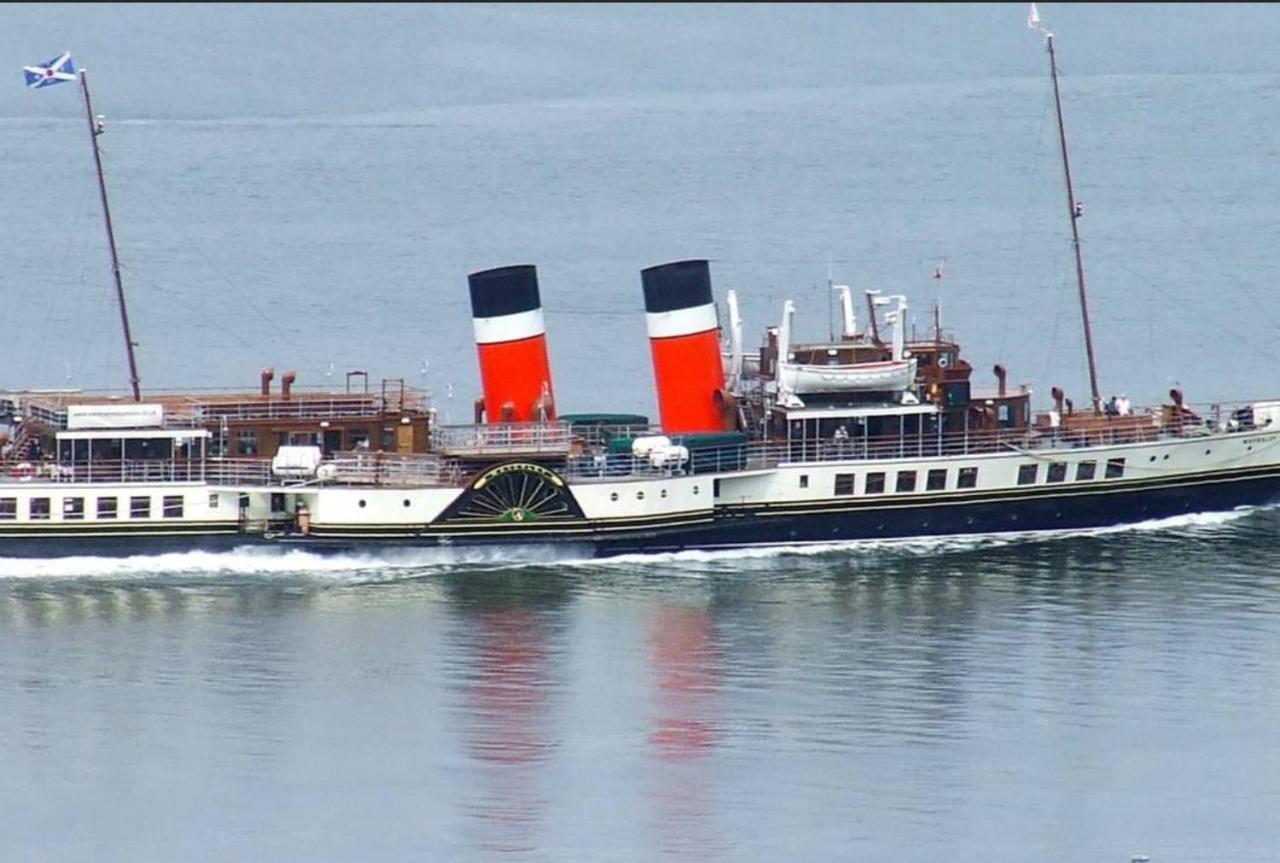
375 468
502 438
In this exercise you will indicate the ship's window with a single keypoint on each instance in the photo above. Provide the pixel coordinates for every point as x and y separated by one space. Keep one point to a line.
173 506
804 480
967 478
108 507
363 504
875 483
1086 470
39 508
936 480
213 501
844 483
139 507
8 508
613 496
247 441
218 443
73 508
639 495
1057 472
1115 468
906 480
406 502
1027 474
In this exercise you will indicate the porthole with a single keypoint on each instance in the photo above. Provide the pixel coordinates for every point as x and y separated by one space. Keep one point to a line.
1206 452
1166 456
613 496
1153 458
639 495
695 489
363 504
406 502
664 493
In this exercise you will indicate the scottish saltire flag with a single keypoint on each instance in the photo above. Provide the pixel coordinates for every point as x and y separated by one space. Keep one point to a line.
55 71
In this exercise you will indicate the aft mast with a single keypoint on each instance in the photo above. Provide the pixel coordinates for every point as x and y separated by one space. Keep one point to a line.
1074 210
95 129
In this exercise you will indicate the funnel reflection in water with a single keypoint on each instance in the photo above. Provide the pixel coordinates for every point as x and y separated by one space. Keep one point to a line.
684 661
506 725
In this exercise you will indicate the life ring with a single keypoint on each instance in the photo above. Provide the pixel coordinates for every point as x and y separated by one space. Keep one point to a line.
944 361
23 471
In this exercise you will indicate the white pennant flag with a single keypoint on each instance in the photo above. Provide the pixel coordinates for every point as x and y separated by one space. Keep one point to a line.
1033 19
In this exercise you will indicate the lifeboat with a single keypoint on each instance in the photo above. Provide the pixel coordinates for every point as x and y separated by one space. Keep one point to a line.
887 376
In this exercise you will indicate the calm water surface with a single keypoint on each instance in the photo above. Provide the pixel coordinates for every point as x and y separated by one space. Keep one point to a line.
308 188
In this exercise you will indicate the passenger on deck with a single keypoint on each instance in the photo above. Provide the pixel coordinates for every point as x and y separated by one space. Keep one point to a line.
841 438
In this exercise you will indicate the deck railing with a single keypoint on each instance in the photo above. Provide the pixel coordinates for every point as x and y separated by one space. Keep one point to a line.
503 438
461 451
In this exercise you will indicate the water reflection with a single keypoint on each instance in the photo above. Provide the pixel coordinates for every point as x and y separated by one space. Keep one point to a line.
684 662
505 662
685 679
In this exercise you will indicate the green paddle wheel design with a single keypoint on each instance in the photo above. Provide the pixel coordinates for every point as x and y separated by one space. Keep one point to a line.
516 494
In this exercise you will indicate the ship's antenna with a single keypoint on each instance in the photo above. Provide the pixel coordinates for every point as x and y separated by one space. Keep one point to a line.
1074 208
95 129
937 306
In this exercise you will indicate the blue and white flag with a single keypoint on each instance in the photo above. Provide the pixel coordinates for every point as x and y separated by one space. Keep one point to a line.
55 71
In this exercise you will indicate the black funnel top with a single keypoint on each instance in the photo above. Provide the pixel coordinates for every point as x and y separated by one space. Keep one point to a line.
504 291
678 285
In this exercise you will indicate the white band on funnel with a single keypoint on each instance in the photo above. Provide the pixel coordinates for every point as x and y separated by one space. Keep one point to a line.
681 322
509 328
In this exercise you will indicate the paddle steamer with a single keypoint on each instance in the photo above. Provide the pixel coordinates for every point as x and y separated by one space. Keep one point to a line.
860 437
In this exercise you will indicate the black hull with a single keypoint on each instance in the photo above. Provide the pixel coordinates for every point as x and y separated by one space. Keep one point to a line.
1008 512
38 547
836 520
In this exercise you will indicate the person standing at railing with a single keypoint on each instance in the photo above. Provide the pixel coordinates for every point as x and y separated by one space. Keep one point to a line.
841 438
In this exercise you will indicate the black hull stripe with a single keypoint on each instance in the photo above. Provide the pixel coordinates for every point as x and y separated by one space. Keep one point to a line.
911 500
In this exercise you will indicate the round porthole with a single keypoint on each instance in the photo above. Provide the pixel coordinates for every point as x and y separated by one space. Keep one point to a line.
613 496
664 493
406 502
695 489
639 495
363 504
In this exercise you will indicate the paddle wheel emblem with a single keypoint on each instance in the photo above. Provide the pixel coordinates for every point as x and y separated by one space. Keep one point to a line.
517 493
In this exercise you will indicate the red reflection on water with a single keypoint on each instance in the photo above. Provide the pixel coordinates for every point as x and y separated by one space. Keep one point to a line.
506 706
682 649
506 698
